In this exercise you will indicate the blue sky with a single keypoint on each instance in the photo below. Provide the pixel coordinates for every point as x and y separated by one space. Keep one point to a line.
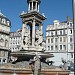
53 9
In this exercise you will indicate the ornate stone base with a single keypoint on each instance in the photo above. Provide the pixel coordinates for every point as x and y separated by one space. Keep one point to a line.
23 68
29 72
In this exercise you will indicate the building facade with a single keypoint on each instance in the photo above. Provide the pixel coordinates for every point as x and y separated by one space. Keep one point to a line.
60 42
15 40
4 38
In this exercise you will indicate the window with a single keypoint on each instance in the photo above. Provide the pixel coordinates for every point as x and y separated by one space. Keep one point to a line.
60 47
2 53
71 55
48 40
51 40
51 33
4 60
56 40
6 43
8 23
71 46
3 21
48 47
64 32
6 53
67 23
71 39
1 40
64 47
61 32
71 31
70 24
56 47
60 39
51 47
47 34
55 32
64 39
13 48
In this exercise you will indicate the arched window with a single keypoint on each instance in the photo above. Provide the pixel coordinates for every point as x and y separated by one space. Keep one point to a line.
6 43
1 42
3 21
8 23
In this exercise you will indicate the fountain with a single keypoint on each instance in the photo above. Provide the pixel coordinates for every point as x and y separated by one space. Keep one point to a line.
31 59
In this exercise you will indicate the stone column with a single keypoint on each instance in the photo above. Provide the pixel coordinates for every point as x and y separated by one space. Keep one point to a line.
33 32
32 5
41 28
36 6
29 7
40 34
23 31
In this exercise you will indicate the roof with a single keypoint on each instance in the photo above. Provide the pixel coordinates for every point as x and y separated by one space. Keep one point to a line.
1 14
16 33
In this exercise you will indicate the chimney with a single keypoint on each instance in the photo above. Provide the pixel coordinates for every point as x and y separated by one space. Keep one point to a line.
68 19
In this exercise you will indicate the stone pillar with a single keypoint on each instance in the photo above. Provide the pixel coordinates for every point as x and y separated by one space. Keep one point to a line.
23 31
33 32
41 28
40 34
29 7
32 5
36 6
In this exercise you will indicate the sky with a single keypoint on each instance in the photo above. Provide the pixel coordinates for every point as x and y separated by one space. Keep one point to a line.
53 10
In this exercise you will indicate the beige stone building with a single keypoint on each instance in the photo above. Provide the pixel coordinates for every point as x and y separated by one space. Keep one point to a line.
60 42
4 38
15 40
